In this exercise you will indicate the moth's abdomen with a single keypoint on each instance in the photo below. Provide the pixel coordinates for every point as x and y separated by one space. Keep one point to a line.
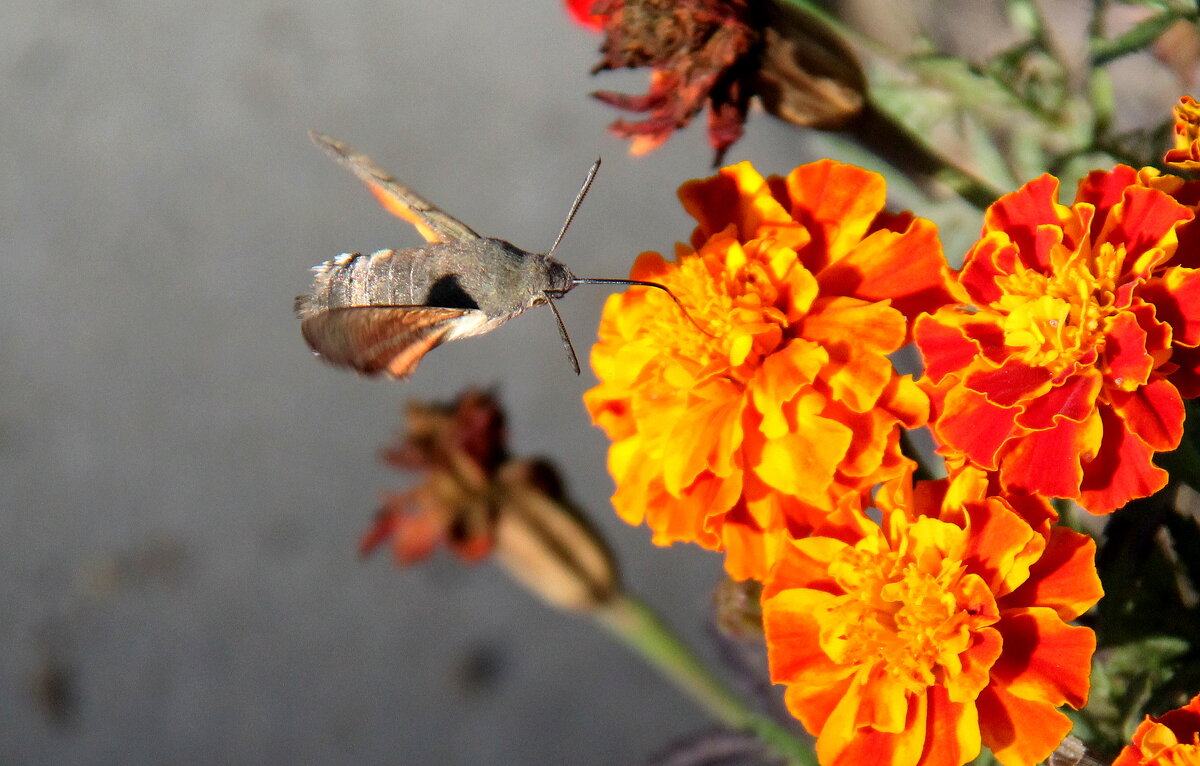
382 278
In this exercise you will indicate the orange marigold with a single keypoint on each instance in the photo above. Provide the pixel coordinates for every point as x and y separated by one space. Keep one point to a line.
1186 154
1061 370
785 410
942 630
1173 740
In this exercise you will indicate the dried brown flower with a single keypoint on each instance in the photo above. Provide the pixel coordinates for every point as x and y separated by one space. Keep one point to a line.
720 54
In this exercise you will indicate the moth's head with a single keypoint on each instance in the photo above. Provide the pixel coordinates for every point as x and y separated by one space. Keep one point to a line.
559 279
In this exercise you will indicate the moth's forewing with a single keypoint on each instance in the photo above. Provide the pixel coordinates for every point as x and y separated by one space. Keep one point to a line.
381 339
433 223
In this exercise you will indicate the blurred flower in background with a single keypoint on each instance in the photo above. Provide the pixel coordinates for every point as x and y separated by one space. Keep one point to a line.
1186 154
477 499
1172 740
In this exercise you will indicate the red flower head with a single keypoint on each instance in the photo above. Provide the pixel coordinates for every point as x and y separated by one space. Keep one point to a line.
1173 740
944 629
1064 370
1186 154
784 413
581 12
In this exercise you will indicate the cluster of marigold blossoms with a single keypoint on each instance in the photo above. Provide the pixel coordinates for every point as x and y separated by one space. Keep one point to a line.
760 414
912 622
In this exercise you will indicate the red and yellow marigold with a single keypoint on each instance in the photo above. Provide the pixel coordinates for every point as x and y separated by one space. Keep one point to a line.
1186 154
1173 740
942 630
776 409
1061 369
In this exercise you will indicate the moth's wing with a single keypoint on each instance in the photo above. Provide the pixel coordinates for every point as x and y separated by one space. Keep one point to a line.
377 340
434 224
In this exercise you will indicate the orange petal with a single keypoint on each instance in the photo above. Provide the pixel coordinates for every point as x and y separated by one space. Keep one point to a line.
908 267
975 426
952 731
1064 577
1001 546
843 741
1121 471
1019 732
838 202
1144 220
1023 214
1044 658
1048 462
794 639
802 464
738 195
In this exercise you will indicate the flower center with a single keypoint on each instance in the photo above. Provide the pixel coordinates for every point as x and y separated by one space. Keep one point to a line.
734 299
1053 319
909 615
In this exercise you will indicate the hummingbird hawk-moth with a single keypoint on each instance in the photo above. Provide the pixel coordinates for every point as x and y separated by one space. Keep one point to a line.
380 313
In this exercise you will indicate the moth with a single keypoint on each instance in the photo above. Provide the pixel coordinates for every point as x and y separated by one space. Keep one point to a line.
381 313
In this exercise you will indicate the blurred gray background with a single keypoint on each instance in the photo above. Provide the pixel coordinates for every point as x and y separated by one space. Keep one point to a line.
182 486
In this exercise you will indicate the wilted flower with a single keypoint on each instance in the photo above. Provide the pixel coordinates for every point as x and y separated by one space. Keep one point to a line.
785 411
477 499
459 448
944 629
720 54
1186 154
1060 370
1173 740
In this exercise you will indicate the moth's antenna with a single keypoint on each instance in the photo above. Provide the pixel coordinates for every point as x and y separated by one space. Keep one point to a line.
641 283
562 328
587 184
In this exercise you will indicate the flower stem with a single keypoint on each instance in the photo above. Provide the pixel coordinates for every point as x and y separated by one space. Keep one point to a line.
1139 37
893 141
643 631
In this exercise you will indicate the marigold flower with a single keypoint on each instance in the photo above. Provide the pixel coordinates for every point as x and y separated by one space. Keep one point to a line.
1186 154
785 411
941 631
1173 740
1060 372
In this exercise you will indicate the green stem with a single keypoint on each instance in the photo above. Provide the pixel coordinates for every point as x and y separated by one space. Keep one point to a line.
643 631
892 141
1142 35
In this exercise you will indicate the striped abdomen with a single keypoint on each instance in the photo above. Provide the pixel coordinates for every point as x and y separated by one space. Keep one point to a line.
385 278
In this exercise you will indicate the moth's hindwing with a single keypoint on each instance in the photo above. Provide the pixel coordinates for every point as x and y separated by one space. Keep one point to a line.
381 339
